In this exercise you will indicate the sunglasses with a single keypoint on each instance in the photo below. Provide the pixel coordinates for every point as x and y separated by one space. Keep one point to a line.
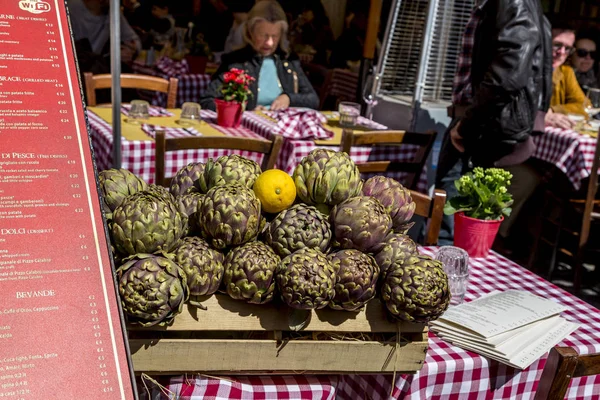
557 46
582 53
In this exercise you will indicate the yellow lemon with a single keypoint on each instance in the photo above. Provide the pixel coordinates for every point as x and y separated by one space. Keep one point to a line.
275 189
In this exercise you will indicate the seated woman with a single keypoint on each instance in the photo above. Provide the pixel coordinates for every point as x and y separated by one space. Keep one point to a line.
280 82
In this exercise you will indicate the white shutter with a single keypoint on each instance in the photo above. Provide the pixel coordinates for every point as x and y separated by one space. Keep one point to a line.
422 45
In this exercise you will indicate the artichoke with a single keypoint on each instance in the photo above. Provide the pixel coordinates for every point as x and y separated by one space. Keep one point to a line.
395 198
161 192
189 204
396 249
152 289
360 223
298 227
228 169
356 276
306 280
229 215
250 273
184 180
115 185
145 223
325 178
202 265
416 290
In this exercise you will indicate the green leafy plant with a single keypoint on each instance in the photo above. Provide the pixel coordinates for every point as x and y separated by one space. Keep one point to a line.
482 194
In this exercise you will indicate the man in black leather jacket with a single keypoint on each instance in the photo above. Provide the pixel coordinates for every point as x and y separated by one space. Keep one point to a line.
505 94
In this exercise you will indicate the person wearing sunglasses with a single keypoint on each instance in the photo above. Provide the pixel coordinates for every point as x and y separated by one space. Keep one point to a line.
567 96
582 61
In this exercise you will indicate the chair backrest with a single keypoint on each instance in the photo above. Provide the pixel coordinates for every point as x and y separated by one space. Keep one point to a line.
563 364
131 81
270 149
592 190
412 168
431 208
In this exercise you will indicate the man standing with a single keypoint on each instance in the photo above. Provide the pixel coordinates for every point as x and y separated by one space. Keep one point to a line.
501 92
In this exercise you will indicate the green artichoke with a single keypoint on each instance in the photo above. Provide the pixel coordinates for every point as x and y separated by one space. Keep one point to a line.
184 180
189 203
228 169
306 280
325 178
202 265
229 215
152 289
356 276
115 185
298 227
416 290
396 249
250 273
360 223
145 223
395 198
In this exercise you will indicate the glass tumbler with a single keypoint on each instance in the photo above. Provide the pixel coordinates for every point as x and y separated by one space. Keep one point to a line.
190 114
349 113
456 265
139 111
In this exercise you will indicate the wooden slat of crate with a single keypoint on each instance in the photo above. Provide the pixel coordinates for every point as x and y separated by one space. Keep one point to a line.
225 314
172 356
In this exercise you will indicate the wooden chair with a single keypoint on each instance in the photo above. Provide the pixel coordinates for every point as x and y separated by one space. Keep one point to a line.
392 138
431 208
270 149
131 81
562 365
572 241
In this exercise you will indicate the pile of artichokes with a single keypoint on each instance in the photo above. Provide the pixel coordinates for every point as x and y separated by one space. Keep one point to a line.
340 245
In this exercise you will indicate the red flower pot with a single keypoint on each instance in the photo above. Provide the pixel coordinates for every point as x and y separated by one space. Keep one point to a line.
229 113
476 236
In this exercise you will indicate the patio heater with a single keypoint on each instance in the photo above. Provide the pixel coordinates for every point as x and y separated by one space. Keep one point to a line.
115 70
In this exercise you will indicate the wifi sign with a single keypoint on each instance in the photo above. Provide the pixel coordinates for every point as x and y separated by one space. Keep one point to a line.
34 6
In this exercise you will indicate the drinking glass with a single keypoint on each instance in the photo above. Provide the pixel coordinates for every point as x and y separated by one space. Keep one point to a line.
190 114
139 112
456 265
349 113
592 103
369 91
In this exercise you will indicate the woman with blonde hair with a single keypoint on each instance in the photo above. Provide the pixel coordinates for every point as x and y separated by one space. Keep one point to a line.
280 82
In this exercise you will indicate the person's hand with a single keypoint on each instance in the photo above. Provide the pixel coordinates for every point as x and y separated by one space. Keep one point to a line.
457 140
557 120
260 108
128 51
281 103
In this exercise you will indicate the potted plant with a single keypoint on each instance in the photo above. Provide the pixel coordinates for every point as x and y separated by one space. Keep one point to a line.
479 208
235 91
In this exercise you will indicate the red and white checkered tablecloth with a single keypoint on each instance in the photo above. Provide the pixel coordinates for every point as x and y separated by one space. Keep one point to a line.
189 88
294 150
448 373
571 152
138 156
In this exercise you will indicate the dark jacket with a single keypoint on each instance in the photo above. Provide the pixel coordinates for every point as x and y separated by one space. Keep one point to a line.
293 81
511 78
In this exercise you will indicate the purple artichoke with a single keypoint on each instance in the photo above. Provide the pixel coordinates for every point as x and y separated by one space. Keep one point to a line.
395 198
184 180
203 266
396 249
360 223
356 276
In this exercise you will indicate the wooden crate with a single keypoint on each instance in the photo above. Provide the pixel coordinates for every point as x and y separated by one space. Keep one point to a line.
232 337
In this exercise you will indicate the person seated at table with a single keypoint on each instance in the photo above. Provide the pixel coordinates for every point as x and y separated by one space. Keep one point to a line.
280 82
583 61
235 39
348 48
567 96
162 24
311 34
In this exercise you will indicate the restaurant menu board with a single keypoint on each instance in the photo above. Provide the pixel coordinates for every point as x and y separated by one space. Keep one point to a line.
61 335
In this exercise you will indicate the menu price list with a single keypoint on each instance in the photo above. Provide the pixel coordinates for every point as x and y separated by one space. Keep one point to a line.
60 332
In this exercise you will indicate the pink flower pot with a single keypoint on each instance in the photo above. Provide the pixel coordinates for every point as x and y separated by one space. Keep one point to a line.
476 236
229 113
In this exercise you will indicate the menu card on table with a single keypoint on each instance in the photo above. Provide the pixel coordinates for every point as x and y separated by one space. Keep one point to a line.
514 327
61 332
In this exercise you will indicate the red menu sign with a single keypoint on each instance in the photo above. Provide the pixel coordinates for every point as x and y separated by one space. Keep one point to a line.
61 335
